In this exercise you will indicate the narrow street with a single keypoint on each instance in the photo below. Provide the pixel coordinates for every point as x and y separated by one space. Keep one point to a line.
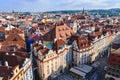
101 63
36 75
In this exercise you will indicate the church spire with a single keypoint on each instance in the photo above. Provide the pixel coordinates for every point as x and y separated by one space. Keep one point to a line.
13 11
83 11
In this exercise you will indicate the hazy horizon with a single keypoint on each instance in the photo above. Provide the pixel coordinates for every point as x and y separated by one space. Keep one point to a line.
54 5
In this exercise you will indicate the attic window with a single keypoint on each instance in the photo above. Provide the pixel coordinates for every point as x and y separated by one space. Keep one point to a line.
15 39
16 70
3 73
81 45
59 30
113 59
61 36
67 29
119 61
86 44
12 31
67 34
7 32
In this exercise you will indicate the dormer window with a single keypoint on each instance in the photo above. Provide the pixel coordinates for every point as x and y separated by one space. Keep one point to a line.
15 39
67 34
99 36
16 70
67 29
81 45
61 36
86 44
59 29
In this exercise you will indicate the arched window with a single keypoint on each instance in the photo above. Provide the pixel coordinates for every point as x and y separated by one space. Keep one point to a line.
111 79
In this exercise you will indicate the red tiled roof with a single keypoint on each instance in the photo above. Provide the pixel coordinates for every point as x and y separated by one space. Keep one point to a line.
114 59
17 53
98 33
44 51
14 37
2 29
5 72
19 43
35 37
43 27
82 42
79 16
58 44
34 44
62 31
14 31
39 47
14 60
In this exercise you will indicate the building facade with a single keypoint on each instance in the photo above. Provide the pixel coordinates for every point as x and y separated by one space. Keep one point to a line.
52 62
113 67
15 65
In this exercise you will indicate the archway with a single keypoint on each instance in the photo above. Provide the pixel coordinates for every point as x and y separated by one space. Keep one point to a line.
111 79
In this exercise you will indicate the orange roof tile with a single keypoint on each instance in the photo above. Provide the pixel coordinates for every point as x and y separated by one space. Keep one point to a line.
79 16
58 44
114 59
44 51
62 31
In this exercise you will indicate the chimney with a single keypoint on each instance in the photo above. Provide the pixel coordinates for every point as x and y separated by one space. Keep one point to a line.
13 54
42 40
17 45
0 46
64 24
44 27
59 38
36 41
55 40
14 49
93 33
39 43
44 46
6 53
6 63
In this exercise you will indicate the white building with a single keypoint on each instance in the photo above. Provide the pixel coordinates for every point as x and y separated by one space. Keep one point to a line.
52 62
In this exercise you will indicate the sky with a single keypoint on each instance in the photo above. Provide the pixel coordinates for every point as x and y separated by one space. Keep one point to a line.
53 5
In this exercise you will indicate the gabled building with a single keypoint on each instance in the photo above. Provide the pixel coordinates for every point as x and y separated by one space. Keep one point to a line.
82 50
12 36
60 31
53 55
113 67
15 65
52 62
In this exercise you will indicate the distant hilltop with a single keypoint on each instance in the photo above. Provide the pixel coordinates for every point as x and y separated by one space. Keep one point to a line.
101 11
